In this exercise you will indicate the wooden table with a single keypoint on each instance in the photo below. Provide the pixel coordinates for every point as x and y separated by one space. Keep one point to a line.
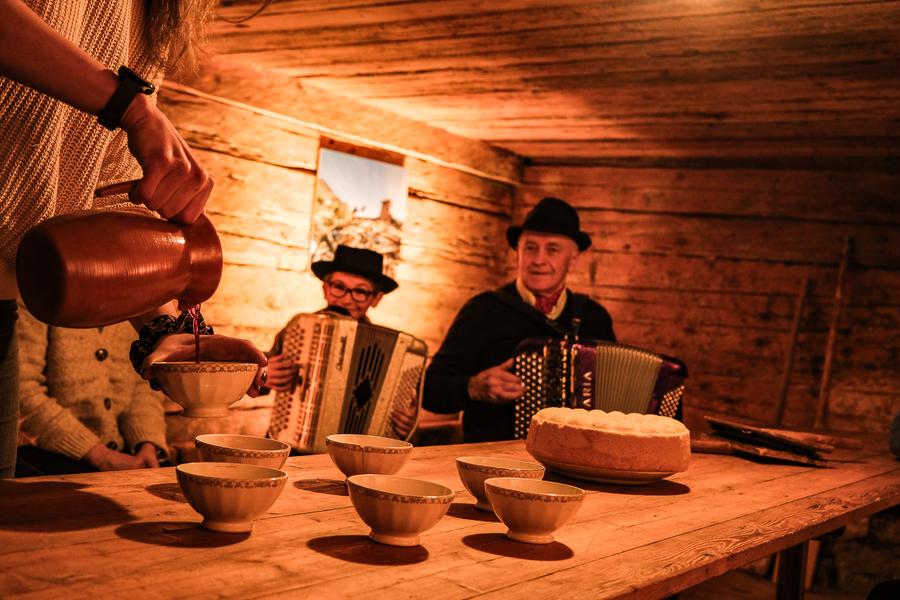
131 534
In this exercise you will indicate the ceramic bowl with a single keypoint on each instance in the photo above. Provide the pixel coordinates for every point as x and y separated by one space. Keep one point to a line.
228 495
246 449
205 389
532 509
398 509
357 454
473 470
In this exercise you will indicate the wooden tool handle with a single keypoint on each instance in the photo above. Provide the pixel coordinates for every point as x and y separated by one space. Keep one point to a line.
710 446
123 187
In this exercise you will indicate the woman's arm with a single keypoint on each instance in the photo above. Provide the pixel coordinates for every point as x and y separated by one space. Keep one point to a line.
34 54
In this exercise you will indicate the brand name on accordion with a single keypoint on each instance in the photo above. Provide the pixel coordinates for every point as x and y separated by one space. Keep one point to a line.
587 389
340 361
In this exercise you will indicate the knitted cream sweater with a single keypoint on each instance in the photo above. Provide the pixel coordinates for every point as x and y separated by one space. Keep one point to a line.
77 389
53 156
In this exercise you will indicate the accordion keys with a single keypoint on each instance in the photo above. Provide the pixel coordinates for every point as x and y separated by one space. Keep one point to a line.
354 377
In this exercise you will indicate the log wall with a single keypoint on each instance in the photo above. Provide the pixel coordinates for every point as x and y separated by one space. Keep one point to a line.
705 262
259 134
699 257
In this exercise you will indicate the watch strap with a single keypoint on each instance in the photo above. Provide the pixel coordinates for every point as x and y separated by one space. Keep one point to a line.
130 85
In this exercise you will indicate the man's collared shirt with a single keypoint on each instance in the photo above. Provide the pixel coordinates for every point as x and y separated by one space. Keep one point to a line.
531 300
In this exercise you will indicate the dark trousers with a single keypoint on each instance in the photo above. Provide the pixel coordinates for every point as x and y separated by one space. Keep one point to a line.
9 388
32 461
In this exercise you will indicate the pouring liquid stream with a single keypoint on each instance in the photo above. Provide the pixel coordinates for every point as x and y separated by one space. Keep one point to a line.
194 311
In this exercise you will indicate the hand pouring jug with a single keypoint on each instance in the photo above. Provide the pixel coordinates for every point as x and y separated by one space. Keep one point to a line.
92 268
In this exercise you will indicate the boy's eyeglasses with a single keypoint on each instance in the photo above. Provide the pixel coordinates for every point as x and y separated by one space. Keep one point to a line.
339 290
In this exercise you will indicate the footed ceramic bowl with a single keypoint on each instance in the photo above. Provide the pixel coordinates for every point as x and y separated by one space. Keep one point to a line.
357 454
398 509
473 470
246 449
205 389
228 495
532 509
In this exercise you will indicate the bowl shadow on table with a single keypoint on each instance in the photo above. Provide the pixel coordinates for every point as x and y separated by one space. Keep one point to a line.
498 543
660 487
463 510
335 487
166 491
179 534
360 549
71 507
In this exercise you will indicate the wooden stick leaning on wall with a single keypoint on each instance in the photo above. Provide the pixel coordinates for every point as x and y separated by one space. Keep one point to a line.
792 344
822 404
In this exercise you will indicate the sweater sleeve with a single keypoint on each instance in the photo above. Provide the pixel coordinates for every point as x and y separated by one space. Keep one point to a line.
145 418
53 427
456 361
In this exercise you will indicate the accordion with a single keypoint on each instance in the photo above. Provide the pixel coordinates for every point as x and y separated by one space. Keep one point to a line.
352 378
594 374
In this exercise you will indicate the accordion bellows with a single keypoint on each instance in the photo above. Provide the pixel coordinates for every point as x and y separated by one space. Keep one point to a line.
609 440
353 377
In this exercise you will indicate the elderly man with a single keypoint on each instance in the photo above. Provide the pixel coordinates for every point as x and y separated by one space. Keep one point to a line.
352 283
472 369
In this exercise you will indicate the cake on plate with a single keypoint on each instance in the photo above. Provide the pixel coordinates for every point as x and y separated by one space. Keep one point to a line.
592 441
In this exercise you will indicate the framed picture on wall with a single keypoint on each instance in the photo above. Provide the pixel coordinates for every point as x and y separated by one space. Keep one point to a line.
360 202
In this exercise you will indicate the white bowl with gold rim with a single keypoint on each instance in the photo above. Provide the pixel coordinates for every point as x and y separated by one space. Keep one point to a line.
246 449
474 470
229 495
205 389
355 454
532 509
398 509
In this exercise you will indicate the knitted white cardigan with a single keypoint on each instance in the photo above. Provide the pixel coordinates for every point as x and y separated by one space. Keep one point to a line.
70 400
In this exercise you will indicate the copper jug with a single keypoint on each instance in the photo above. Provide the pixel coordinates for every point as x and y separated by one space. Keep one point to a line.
92 268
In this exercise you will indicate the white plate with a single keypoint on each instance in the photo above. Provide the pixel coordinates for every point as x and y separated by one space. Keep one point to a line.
603 475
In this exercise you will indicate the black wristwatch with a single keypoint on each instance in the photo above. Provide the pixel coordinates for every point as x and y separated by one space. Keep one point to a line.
130 85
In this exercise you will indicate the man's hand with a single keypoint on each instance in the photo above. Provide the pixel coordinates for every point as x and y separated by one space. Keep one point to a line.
282 373
106 459
496 385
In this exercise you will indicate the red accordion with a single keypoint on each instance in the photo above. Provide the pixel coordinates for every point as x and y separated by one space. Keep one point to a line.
593 374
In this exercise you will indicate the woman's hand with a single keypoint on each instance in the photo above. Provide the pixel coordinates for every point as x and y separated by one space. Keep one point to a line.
106 459
174 184
213 348
147 455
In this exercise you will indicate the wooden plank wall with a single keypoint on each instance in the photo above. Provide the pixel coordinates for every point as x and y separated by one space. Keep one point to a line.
721 151
704 262
258 134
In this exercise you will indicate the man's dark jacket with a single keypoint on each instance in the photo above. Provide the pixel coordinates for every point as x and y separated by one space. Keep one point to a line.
484 334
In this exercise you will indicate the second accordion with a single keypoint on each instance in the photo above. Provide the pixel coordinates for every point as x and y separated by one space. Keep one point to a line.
593 374
353 377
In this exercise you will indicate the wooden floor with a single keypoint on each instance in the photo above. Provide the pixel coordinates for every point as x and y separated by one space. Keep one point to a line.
741 585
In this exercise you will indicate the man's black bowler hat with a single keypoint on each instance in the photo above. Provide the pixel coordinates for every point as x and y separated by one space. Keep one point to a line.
551 215
359 261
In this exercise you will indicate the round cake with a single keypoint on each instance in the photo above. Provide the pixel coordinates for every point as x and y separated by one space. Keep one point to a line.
597 439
